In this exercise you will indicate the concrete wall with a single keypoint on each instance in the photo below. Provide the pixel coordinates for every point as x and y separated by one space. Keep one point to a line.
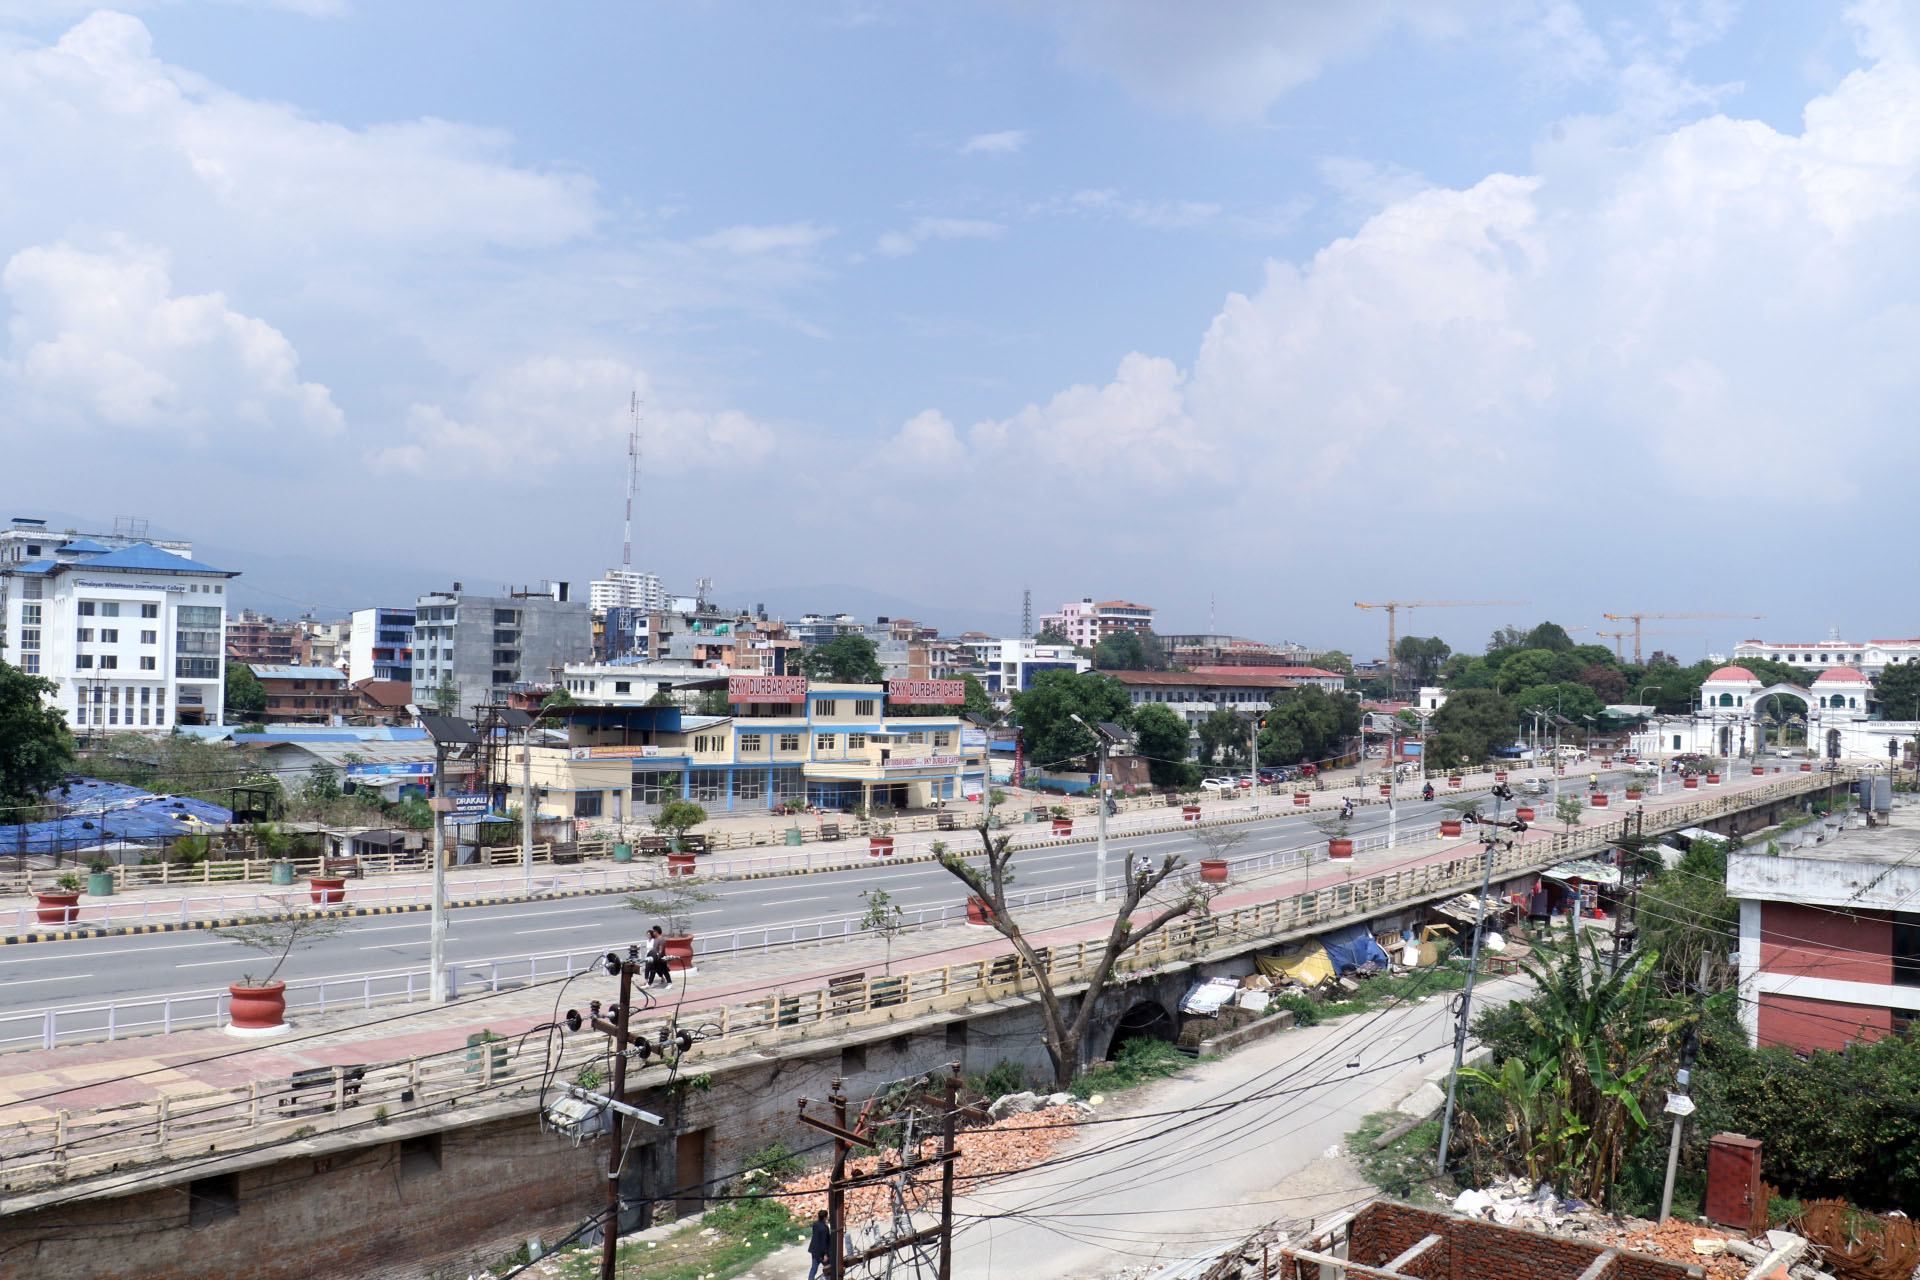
1843 946
1818 1024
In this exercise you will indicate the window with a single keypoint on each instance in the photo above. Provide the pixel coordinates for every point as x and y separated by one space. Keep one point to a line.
506 637
108 662
80 715
85 608
213 1199
30 663
83 636
143 715
83 660
196 668
30 589
623 686
826 707
149 637
197 615
149 610
506 618
110 608
918 736
504 677
856 741
30 615
30 638
942 739
1906 950
655 787
113 715
1726 699
146 694
864 706
789 742
110 635
505 657
750 742
823 742
419 1156
586 804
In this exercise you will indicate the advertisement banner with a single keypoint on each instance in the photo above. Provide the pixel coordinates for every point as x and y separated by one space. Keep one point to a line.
398 769
973 737
611 753
926 692
471 808
766 688
923 762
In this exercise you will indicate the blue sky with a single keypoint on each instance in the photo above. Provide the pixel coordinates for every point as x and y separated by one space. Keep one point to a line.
1280 305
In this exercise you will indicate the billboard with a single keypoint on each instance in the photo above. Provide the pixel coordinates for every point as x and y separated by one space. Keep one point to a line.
926 692
766 688
470 808
394 769
611 753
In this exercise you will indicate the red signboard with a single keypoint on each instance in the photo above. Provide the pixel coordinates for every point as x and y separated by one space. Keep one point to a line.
766 688
922 692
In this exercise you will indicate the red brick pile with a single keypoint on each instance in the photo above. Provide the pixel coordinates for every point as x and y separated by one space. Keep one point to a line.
995 1150
1674 1239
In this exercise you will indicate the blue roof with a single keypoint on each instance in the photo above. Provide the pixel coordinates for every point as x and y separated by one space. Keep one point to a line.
87 545
274 671
110 812
38 566
144 555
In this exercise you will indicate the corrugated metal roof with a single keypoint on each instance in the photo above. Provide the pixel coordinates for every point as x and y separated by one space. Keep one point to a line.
341 754
275 671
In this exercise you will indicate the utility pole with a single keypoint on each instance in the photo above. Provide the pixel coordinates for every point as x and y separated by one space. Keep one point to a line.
1678 1102
1100 809
616 1151
1466 996
437 920
526 808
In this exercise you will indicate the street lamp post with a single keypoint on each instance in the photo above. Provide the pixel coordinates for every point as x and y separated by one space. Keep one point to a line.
447 732
1100 808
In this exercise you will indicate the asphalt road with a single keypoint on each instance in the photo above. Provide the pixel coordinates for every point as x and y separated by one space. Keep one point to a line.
38 976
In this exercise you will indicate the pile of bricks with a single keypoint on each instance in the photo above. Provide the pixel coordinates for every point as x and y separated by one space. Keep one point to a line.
1674 1240
991 1151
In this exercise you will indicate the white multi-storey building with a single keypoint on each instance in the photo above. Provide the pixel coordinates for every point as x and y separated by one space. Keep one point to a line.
626 589
1870 657
132 638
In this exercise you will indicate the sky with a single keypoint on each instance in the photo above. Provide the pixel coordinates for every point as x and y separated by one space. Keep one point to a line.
1246 311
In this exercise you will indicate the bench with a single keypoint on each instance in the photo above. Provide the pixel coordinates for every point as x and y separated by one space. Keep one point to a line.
343 867
654 844
945 821
846 993
829 831
693 844
310 1091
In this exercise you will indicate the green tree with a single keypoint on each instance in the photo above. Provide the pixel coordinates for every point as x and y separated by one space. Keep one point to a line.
1044 713
1420 657
1506 638
677 817
1130 651
883 917
1536 666
845 659
1051 636
1607 683
1335 661
1468 728
1686 915
35 747
1772 673
245 694
712 702
1594 655
1307 723
1571 699
1896 690
1549 635
560 697
1165 741
1223 739
446 698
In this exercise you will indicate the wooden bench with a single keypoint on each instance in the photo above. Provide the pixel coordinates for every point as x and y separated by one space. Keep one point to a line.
945 821
829 831
310 1092
693 844
846 993
345 867
654 844
565 857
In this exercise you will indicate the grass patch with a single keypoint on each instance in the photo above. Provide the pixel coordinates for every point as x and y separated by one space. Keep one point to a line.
1138 1062
1409 987
1403 1169
744 1233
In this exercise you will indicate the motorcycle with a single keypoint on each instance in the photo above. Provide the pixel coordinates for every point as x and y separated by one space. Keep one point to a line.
1426 793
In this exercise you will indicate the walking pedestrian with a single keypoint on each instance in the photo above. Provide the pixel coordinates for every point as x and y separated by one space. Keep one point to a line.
656 969
820 1248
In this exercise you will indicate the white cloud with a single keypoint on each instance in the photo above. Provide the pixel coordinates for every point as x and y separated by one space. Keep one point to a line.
897 244
1005 142
765 239
555 414
100 341
1694 311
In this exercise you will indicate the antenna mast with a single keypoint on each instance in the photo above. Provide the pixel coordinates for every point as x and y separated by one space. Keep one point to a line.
633 480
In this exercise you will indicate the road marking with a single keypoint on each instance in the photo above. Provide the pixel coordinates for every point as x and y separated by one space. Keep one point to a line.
203 964
117 951
65 977
557 911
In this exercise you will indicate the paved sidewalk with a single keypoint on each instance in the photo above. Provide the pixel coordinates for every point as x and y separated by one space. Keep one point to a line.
183 1062
157 908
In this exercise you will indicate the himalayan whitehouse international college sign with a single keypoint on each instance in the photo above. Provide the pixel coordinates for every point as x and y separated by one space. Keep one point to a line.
926 692
766 688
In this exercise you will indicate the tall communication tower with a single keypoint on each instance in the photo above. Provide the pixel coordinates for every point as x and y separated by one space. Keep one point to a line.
1026 613
633 480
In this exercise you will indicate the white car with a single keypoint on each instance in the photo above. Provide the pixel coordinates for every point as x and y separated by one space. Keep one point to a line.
1646 768
1218 784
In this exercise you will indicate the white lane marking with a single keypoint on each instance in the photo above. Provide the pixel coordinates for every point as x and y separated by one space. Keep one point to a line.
116 951
65 977
202 964
559 928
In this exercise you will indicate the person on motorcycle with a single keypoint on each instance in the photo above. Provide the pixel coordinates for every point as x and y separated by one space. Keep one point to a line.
1426 792
1346 808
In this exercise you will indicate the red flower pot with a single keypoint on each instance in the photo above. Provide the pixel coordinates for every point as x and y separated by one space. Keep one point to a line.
57 906
1713 779
1599 799
979 910
1449 826
1301 798
1523 813
326 889
1340 849
678 951
1759 769
1213 870
1634 793
1691 784
1189 813
1806 766
680 864
880 846
1063 826
258 1008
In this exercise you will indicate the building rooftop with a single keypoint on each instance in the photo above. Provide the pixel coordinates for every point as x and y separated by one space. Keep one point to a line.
144 557
280 671
1241 677
1841 675
1735 675
1835 864
1299 673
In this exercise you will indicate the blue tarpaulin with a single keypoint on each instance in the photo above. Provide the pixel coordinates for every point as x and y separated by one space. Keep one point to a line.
101 813
1351 947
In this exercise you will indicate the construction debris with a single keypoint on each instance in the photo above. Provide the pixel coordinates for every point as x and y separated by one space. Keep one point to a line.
1006 1146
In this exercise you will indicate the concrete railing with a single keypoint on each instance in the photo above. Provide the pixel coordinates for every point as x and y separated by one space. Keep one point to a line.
40 1149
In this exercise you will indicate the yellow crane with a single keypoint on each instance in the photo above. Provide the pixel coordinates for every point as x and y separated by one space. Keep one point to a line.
1636 617
1393 608
1618 636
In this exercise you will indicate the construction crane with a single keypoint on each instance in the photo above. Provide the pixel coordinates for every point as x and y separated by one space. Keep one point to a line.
1618 636
1636 617
1393 608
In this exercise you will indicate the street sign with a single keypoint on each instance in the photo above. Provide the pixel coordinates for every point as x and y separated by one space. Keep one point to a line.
1679 1104
470 808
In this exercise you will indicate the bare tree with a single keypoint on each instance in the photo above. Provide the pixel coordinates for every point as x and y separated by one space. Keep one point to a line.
281 937
1065 1035
1221 841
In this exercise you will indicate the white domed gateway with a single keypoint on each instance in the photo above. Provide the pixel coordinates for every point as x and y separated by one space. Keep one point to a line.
1732 718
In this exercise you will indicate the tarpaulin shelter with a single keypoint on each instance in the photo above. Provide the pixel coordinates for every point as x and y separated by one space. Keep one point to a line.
103 813
1309 966
1341 951
1352 948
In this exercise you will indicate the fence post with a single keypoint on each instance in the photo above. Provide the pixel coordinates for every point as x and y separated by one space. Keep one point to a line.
50 1034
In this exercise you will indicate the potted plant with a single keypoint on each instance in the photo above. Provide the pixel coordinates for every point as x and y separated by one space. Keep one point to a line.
676 818
257 1004
673 902
100 878
61 903
1339 838
1636 789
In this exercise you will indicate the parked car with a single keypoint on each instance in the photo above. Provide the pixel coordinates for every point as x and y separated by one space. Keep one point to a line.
1309 770
1217 784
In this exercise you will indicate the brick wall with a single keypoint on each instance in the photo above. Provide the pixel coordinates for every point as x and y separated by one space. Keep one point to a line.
1818 1024
1475 1250
1826 944
369 1213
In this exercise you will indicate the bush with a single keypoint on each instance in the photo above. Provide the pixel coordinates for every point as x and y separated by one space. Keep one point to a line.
777 1162
1140 1060
1305 1009
1006 1077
